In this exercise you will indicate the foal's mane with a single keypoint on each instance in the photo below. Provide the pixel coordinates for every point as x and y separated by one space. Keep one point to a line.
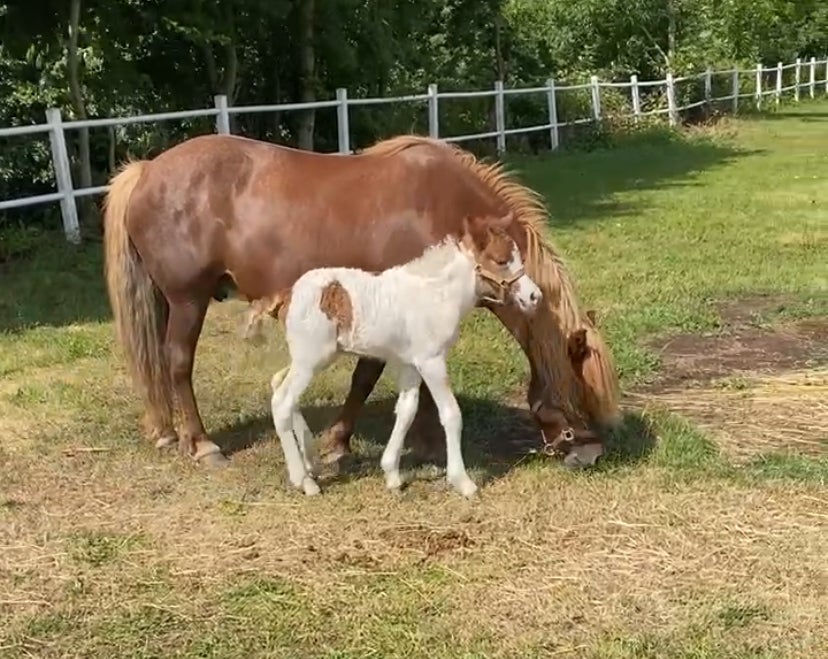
560 314
435 260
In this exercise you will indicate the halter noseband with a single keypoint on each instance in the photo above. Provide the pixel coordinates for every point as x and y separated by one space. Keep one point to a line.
502 284
555 446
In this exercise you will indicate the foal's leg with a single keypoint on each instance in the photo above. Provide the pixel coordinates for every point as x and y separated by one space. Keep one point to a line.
409 388
436 378
307 444
300 426
283 405
363 381
183 327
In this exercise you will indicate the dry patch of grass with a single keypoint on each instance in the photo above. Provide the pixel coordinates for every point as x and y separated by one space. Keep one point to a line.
136 555
752 415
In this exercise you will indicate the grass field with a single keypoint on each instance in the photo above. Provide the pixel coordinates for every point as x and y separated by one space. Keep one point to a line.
704 534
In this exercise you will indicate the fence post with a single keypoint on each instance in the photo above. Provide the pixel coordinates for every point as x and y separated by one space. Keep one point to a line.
672 113
551 102
636 97
433 112
826 74
735 90
223 117
500 117
342 128
758 92
813 77
778 82
596 98
708 86
63 175
797 78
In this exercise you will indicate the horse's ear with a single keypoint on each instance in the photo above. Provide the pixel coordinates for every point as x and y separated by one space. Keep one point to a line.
591 315
577 344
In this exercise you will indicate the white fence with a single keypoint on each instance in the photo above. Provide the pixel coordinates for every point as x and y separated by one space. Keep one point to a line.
66 193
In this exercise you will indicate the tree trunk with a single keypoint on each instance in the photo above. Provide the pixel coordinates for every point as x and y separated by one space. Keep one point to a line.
91 218
671 33
307 65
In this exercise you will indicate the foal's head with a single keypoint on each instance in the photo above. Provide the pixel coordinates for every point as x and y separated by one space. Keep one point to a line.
499 266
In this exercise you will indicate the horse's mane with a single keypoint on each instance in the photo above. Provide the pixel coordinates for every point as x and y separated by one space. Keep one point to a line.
549 330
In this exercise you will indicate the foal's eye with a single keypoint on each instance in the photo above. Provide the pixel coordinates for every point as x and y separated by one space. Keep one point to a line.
503 263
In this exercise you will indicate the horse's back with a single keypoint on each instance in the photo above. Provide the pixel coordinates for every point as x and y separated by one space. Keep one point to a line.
264 214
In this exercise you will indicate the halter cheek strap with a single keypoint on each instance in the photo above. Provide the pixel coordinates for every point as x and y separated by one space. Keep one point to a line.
502 284
555 446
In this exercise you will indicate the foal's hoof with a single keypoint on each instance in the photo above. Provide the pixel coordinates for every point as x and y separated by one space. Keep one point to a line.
467 488
309 486
214 461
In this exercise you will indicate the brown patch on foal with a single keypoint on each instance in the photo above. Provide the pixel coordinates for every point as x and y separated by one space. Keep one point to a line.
336 304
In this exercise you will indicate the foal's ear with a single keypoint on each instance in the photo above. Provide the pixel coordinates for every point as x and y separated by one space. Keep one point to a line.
591 315
476 229
503 221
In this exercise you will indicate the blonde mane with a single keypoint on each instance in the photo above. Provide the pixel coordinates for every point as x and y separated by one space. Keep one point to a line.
547 333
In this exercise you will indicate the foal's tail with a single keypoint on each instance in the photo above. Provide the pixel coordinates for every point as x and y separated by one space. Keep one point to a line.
139 308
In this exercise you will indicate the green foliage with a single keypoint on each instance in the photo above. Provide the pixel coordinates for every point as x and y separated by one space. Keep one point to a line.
144 56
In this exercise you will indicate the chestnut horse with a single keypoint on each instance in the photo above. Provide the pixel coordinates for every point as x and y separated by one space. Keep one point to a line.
217 208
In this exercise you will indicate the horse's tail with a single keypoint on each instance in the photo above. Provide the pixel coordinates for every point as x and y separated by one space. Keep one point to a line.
139 308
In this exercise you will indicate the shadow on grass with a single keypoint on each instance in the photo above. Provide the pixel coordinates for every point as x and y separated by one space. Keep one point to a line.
580 186
56 284
496 437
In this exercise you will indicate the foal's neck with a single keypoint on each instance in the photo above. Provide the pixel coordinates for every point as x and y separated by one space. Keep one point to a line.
444 281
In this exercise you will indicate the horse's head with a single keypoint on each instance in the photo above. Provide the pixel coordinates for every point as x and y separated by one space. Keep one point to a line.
498 264
581 447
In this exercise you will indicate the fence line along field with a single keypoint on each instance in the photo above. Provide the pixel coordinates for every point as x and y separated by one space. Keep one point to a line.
703 534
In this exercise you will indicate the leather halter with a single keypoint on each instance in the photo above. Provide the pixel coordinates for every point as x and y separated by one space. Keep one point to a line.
555 446
502 284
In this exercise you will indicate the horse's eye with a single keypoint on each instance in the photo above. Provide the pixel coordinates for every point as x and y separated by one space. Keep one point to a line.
503 264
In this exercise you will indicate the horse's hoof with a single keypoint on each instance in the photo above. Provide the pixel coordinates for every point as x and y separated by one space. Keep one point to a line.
214 461
168 442
334 455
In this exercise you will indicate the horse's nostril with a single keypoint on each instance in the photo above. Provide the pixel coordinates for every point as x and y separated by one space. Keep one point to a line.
535 297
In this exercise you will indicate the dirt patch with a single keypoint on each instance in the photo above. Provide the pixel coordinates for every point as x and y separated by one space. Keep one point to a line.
743 346
755 387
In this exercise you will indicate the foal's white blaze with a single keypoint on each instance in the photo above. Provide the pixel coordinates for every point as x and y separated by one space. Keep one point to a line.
525 292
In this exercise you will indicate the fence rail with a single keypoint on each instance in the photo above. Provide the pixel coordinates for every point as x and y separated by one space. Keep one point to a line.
67 194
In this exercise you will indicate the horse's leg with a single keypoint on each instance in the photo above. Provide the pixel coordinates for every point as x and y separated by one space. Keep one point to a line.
408 384
338 435
183 328
436 378
283 405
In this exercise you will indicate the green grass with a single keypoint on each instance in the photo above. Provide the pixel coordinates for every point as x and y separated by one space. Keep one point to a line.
668 548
